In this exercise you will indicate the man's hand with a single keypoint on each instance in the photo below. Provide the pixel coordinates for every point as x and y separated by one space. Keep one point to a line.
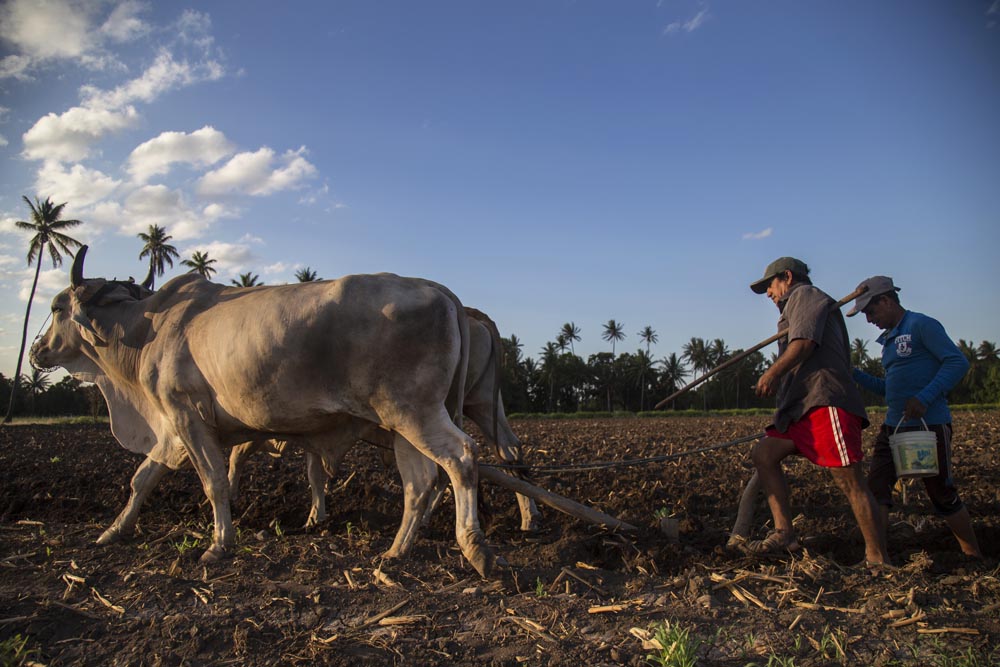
767 385
914 409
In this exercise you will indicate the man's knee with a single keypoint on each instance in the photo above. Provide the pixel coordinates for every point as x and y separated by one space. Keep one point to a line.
770 451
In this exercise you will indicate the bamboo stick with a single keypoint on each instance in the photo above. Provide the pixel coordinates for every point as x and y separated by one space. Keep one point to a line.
553 500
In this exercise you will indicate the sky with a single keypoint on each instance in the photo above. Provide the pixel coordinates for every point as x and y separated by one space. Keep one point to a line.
550 161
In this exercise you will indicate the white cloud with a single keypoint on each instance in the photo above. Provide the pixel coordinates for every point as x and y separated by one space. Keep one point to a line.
78 185
15 67
69 136
149 205
43 31
123 25
231 258
163 75
50 283
257 174
200 148
690 25
756 236
3 141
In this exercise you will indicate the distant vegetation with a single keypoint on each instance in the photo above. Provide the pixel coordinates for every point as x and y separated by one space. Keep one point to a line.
559 382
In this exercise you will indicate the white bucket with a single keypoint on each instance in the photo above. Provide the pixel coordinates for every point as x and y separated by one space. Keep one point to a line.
914 453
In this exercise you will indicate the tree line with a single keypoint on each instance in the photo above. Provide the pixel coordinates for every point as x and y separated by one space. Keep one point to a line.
558 381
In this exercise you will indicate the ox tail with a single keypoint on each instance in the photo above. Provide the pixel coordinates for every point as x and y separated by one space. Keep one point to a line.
456 393
496 362
496 359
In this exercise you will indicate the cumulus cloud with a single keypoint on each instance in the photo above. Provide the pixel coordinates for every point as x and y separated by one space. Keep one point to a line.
124 24
690 25
201 148
68 137
83 31
166 73
231 258
756 236
3 141
50 283
159 205
78 185
258 173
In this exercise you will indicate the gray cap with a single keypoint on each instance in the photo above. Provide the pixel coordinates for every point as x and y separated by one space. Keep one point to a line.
777 267
877 285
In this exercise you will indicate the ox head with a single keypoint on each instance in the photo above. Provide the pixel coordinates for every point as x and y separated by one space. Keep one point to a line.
75 313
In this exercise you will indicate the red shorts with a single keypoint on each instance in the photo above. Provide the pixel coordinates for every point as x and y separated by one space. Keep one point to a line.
827 436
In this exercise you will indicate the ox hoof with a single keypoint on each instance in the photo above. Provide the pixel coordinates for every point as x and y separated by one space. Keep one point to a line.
111 536
483 559
214 555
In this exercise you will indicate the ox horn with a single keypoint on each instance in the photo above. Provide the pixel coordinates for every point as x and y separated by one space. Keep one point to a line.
76 274
148 282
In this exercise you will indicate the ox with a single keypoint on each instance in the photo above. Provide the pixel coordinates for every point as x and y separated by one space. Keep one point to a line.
482 404
197 366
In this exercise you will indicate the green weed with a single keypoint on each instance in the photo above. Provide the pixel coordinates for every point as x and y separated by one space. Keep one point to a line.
679 648
14 651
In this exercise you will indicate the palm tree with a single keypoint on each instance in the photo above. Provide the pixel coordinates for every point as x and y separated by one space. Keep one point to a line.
700 357
36 384
718 354
613 332
550 358
561 343
673 372
859 352
571 332
988 352
648 336
46 225
306 275
158 250
642 364
247 279
200 264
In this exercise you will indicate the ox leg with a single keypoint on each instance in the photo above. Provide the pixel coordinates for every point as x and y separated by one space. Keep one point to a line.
316 471
418 474
435 495
237 459
203 449
448 446
508 448
144 481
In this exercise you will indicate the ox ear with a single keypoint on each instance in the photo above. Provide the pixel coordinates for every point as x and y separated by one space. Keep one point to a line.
79 314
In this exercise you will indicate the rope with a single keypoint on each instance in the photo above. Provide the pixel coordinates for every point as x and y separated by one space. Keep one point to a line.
604 465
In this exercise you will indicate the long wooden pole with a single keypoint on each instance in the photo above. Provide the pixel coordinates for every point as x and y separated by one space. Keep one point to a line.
553 500
742 355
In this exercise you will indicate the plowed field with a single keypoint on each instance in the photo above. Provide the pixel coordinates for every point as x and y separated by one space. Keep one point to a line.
573 594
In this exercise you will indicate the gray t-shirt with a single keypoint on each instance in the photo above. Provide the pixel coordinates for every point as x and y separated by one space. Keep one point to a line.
824 379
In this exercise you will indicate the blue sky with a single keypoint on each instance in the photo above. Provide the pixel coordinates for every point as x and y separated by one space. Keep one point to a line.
550 161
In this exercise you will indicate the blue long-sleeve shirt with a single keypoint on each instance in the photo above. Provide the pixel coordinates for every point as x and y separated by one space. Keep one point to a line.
921 361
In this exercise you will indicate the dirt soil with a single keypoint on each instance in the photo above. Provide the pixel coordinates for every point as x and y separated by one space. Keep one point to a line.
574 594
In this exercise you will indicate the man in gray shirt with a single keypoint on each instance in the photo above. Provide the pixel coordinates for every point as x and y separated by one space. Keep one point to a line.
820 413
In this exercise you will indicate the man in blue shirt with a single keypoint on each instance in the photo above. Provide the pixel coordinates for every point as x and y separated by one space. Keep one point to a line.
921 365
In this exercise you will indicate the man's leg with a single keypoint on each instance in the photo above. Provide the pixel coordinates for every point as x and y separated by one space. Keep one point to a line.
866 512
961 525
767 456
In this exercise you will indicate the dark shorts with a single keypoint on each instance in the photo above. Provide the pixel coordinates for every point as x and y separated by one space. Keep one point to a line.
940 488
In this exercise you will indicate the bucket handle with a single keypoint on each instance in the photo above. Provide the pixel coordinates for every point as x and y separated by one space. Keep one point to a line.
926 427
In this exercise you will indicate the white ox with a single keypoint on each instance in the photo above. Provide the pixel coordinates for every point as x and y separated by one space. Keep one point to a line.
197 366
483 404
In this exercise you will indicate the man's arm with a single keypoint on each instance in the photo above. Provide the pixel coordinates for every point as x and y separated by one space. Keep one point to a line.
797 351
